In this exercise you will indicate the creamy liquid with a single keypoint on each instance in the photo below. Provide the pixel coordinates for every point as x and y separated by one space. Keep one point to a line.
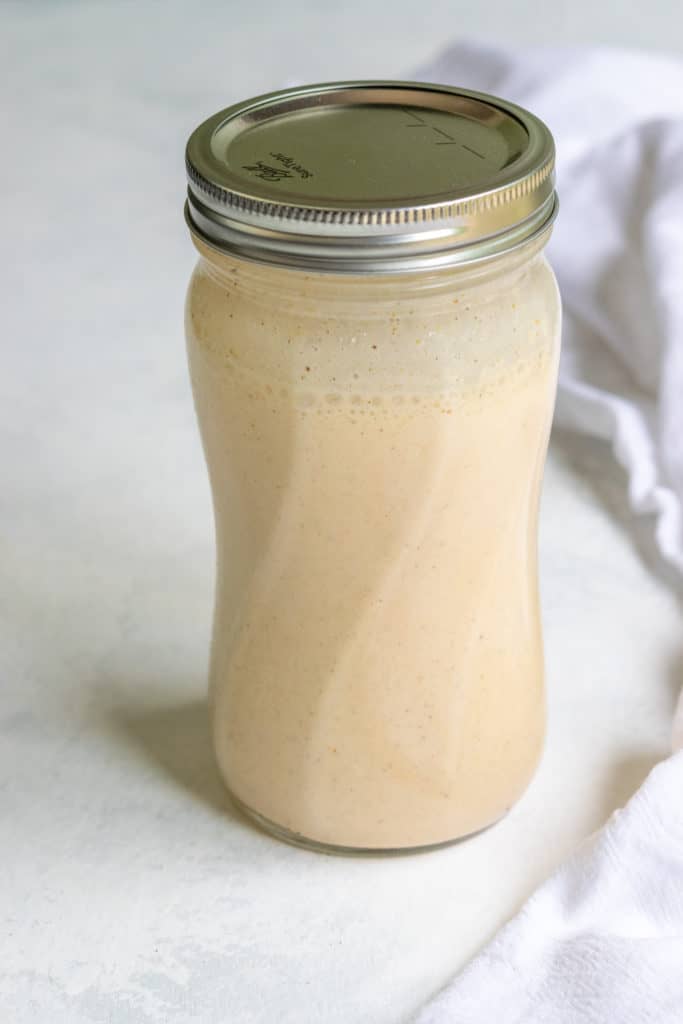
377 665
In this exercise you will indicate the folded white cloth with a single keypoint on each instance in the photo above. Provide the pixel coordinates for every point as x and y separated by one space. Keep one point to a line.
602 941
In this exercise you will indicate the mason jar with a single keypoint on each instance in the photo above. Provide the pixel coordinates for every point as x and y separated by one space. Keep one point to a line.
373 336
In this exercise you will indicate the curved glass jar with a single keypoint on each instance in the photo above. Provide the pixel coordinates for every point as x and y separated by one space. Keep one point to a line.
375 447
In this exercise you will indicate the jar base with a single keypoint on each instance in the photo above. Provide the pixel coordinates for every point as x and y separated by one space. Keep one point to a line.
334 849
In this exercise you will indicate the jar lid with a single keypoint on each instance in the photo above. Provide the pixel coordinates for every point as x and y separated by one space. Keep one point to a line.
370 177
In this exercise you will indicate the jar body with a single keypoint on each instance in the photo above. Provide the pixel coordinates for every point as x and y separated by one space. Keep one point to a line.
375 448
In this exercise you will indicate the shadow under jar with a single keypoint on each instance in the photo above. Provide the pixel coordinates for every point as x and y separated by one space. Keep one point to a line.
373 337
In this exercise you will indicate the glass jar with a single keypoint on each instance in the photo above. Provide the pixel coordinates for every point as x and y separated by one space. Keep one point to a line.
375 411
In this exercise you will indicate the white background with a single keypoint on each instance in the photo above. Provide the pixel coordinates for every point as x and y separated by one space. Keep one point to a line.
131 892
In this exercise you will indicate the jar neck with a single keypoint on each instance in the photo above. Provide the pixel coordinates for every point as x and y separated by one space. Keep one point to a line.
382 290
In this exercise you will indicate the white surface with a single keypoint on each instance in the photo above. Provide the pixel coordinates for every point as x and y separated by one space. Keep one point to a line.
130 891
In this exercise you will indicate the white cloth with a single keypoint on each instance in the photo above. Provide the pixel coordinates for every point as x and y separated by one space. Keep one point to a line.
602 941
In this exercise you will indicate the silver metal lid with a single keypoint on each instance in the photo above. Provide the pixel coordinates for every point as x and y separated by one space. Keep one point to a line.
370 177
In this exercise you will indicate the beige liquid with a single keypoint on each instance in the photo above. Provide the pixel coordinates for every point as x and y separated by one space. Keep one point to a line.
375 453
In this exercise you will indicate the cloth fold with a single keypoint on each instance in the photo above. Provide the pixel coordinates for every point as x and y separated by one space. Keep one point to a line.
602 940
